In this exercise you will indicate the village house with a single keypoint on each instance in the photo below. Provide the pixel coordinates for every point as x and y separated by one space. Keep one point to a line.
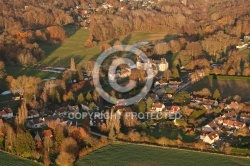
41 135
211 137
174 109
212 126
173 84
157 107
35 123
85 107
232 105
160 83
233 124
45 112
245 117
33 114
187 111
232 115
204 101
124 73
166 97
246 108
74 108
154 97
208 108
52 119
6 113
58 120
219 120
97 120
62 111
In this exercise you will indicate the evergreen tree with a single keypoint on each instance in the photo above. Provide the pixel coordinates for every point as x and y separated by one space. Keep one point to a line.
57 97
149 103
79 73
216 94
72 64
175 73
92 105
141 106
71 96
89 97
80 99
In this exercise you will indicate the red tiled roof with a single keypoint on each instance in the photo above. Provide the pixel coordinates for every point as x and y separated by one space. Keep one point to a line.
32 112
230 114
45 133
3 112
157 105
62 109
213 135
233 123
175 108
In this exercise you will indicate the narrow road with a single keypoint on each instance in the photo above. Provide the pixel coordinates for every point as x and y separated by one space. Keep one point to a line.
99 135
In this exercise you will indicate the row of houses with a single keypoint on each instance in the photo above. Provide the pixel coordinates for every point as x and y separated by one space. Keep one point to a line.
230 120
59 116
6 113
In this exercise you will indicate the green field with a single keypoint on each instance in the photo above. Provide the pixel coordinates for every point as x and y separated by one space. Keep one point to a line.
59 55
227 85
11 160
138 155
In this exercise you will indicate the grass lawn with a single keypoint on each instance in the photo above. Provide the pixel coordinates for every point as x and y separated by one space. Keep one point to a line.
227 85
8 159
170 134
122 154
59 55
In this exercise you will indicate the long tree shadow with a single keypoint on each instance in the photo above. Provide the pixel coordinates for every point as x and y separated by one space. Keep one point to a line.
126 40
113 41
170 37
48 48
